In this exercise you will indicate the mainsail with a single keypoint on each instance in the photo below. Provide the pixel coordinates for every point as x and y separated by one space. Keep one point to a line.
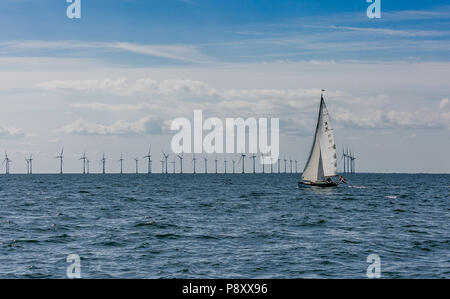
322 162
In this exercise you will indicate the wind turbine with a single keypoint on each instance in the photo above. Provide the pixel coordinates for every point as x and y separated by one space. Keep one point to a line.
173 164
279 164
30 164
225 164
165 158
215 161
193 161
87 165
233 161
60 157
137 161
6 161
243 162
285 161
352 158
206 164
83 158
347 155
263 168
271 165
290 161
343 158
253 157
296 168
162 166
103 161
149 157
181 162
121 163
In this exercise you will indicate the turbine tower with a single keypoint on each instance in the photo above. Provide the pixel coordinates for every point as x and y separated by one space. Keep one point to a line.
347 154
60 157
173 164
271 165
285 167
83 158
243 162
181 162
350 161
215 161
279 164
137 167
193 161
165 158
121 163
253 157
225 164
353 158
87 165
6 161
162 166
206 164
30 164
103 161
149 157
290 161
296 168
233 161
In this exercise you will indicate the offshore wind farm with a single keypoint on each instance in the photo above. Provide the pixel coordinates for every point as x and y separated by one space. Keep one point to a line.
220 166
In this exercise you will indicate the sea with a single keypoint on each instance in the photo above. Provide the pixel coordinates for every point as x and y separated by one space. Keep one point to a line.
224 226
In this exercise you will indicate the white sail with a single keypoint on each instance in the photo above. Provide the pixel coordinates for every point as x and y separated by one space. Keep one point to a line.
322 160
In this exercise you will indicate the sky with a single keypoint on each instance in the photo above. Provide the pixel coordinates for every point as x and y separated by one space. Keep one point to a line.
113 80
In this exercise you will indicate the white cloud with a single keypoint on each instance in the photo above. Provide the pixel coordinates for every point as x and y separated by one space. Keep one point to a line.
106 85
146 125
10 133
388 31
443 103
379 119
122 87
179 97
180 88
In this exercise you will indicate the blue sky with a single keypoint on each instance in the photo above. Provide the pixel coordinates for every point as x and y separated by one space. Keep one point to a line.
125 69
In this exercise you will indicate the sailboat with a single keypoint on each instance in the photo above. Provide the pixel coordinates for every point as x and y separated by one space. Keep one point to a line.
322 161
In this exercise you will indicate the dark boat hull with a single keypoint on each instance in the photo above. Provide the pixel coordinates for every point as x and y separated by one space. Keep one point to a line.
320 185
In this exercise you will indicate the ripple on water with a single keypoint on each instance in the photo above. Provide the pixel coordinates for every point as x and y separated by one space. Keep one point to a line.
223 226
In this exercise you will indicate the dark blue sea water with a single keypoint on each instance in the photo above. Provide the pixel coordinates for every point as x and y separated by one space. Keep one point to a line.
223 226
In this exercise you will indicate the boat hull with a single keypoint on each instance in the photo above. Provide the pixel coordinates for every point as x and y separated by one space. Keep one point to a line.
317 184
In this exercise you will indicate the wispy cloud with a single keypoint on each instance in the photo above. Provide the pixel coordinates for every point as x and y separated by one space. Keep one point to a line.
188 53
388 31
